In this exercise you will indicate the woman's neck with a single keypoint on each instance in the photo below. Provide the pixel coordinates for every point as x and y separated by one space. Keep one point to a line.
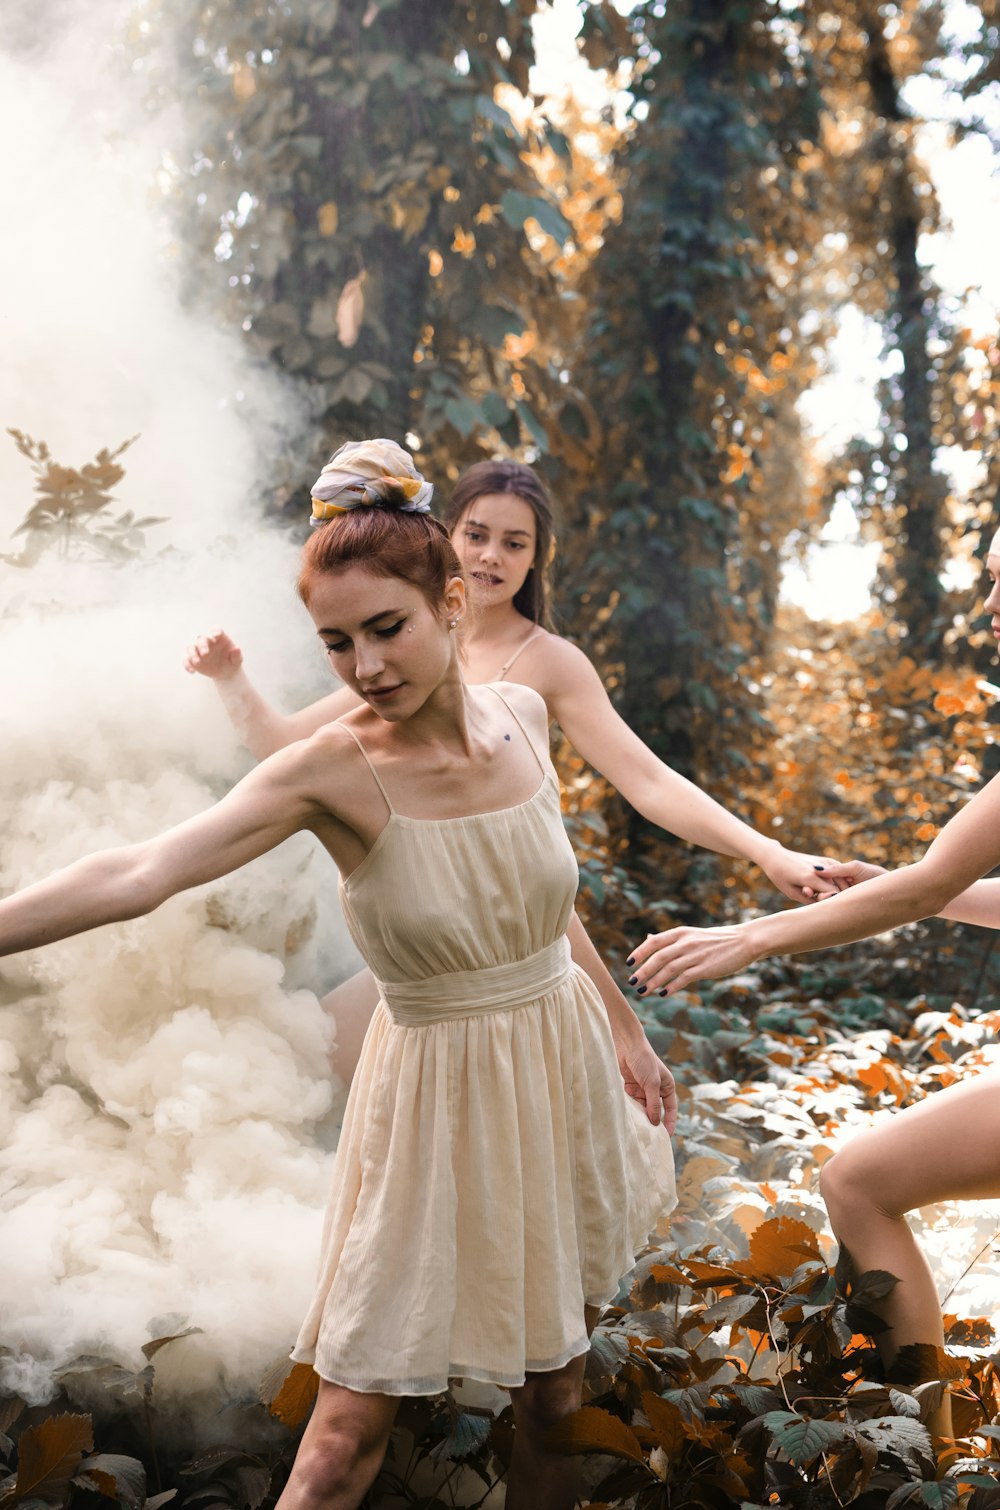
494 623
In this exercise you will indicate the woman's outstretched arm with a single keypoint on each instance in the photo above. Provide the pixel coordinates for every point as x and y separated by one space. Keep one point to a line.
266 807
978 903
259 726
578 700
966 848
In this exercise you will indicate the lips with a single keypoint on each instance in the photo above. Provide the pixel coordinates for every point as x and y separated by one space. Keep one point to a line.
486 579
381 694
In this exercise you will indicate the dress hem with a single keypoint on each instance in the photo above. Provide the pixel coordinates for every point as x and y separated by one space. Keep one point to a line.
420 1387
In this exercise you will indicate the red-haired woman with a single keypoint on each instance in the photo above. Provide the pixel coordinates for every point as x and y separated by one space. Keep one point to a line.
501 525
493 1180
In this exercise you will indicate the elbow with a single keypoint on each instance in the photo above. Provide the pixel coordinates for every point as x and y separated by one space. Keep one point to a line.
140 887
933 892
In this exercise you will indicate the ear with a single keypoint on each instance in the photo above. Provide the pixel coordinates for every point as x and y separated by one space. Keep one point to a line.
454 599
552 552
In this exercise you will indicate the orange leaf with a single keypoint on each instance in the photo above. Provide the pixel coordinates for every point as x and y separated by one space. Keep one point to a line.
776 1247
294 1399
595 1430
327 218
667 1421
926 831
49 1454
666 1274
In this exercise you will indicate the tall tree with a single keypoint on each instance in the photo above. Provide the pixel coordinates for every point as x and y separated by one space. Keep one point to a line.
696 361
366 210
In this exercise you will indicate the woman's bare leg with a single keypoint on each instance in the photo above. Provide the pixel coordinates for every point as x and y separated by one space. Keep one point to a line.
944 1148
351 1005
341 1450
540 1479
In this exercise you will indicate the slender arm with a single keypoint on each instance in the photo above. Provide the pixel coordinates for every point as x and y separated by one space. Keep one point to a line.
646 1077
112 885
262 728
979 903
625 1025
965 849
578 700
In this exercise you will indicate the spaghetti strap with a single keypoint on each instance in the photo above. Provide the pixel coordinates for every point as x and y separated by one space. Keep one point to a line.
529 637
543 765
378 780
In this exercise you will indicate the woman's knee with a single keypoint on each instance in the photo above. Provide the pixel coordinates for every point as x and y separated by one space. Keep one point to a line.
340 1448
847 1183
546 1399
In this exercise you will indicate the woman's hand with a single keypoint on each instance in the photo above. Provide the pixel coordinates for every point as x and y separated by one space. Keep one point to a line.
667 962
648 1080
802 878
214 655
852 873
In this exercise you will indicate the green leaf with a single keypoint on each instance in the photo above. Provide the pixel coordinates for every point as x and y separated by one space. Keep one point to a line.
116 1477
608 1351
493 322
938 1494
467 1435
800 1438
899 1435
464 414
495 408
516 208
534 426
573 421
491 111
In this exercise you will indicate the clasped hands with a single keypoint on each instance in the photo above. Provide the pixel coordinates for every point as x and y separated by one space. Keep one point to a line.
668 962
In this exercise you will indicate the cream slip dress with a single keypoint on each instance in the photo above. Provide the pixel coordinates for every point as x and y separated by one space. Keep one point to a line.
492 1176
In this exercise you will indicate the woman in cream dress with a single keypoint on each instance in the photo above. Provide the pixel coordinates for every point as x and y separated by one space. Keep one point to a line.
494 1175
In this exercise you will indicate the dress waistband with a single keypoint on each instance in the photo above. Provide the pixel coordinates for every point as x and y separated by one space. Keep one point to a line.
469 993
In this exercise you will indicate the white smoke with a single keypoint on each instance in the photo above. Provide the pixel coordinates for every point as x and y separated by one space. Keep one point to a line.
166 1108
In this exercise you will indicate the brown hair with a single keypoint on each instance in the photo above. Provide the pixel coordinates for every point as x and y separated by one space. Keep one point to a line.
533 598
387 542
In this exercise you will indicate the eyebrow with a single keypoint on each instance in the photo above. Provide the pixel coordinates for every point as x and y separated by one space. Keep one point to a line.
386 613
476 525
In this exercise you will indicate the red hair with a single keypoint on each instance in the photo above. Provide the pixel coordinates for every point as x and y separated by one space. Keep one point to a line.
386 542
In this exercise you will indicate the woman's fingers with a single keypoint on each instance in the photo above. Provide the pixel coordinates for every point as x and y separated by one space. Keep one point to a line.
675 959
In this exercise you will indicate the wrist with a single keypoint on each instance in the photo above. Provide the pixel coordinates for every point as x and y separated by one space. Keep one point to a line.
762 851
760 936
626 1029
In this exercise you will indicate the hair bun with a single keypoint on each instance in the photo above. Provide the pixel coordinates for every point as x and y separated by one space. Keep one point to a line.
369 474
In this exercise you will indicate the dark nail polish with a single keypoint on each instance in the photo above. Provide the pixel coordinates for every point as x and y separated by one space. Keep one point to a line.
630 961
819 867
663 992
632 979
641 991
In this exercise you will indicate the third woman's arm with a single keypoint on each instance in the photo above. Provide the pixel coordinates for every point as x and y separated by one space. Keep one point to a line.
965 849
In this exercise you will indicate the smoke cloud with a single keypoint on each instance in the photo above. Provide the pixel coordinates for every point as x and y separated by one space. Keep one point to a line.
166 1107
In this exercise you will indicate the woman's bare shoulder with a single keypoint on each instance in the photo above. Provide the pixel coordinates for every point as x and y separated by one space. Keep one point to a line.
555 660
527 702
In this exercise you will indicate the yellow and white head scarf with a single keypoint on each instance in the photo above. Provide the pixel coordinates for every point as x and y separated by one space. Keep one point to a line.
369 474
